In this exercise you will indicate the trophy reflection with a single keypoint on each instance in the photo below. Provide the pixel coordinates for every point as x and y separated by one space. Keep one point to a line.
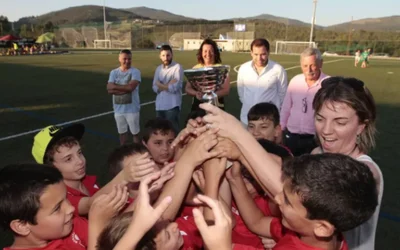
207 80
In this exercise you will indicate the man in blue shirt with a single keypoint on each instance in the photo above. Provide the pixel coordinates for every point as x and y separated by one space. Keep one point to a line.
123 84
167 84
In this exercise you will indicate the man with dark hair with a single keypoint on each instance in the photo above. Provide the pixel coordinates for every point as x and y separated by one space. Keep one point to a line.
123 84
167 84
260 80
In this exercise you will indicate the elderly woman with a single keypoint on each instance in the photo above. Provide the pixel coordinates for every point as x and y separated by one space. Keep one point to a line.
207 56
345 115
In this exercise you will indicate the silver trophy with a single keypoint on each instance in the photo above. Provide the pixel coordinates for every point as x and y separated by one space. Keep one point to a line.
207 80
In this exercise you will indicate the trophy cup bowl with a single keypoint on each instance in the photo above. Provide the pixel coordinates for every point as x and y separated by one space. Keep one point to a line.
207 80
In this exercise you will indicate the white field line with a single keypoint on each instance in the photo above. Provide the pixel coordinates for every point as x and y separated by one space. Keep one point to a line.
110 112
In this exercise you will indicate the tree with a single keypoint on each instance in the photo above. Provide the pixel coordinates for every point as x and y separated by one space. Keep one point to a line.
48 26
5 25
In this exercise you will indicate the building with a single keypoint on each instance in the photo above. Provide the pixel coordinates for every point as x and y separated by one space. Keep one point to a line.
234 45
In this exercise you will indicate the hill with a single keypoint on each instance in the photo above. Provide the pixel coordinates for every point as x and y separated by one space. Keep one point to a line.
157 14
391 23
278 19
80 14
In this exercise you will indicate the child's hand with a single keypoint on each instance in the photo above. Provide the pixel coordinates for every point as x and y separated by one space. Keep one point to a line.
106 206
166 173
268 243
228 148
139 167
199 149
144 215
234 172
217 236
188 134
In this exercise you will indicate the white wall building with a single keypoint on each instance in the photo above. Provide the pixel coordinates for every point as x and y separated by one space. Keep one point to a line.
233 45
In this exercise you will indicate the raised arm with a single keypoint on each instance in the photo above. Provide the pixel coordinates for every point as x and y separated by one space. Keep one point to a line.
252 216
267 169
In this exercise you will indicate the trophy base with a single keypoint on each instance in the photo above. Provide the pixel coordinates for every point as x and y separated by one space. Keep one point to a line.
211 98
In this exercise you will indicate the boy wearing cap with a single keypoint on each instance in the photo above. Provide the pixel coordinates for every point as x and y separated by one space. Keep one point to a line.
60 147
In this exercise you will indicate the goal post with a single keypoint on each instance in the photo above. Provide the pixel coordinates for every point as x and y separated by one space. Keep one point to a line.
292 47
102 44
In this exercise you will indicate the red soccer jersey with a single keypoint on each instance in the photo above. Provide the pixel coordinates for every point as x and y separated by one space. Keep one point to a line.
191 236
241 235
74 196
76 240
287 239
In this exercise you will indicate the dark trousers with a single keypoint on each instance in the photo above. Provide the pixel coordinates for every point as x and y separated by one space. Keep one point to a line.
172 115
299 144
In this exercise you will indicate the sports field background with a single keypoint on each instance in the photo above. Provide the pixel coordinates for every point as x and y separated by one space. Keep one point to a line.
36 91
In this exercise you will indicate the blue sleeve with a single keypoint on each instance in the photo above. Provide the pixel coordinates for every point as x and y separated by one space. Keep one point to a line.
155 87
112 76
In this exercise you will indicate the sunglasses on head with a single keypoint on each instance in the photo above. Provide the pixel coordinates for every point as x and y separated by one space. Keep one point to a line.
351 82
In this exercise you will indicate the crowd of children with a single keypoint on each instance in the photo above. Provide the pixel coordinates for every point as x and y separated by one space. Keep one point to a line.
193 190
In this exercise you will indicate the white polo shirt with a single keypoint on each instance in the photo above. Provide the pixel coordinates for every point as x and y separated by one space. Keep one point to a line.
269 86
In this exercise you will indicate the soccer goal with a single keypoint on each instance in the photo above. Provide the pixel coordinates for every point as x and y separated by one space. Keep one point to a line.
292 47
102 44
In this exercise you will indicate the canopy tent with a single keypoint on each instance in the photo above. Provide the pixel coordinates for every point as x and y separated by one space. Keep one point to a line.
46 37
9 38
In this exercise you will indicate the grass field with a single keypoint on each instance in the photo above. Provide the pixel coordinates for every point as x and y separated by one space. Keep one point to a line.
37 91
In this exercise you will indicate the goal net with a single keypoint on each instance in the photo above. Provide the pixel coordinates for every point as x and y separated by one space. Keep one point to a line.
292 47
102 44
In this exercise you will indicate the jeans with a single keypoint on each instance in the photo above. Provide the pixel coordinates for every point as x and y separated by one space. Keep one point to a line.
172 115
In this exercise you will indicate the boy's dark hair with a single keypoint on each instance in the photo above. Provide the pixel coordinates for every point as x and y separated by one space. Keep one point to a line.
270 147
21 186
333 187
117 227
260 42
264 110
155 126
166 47
126 51
68 142
117 156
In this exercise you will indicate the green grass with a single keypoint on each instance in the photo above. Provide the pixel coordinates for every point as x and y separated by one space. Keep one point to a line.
59 88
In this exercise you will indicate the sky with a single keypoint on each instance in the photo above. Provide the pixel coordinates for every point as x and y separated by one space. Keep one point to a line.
329 12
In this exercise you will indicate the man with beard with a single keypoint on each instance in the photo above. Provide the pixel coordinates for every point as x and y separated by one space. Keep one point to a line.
260 80
167 84
123 84
297 115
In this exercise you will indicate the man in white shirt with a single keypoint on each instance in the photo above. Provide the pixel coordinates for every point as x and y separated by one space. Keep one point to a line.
260 80
167 84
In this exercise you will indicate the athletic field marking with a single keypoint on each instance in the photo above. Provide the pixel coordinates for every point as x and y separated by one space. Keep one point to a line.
110 112
34 108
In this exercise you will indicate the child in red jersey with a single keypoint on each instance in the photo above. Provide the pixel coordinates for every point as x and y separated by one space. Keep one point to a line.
323 196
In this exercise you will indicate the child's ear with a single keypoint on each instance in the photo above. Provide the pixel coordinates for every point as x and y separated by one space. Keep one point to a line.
323 229
144 144
278 134
20 227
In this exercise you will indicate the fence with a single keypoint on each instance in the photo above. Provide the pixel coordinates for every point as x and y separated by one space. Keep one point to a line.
140 34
